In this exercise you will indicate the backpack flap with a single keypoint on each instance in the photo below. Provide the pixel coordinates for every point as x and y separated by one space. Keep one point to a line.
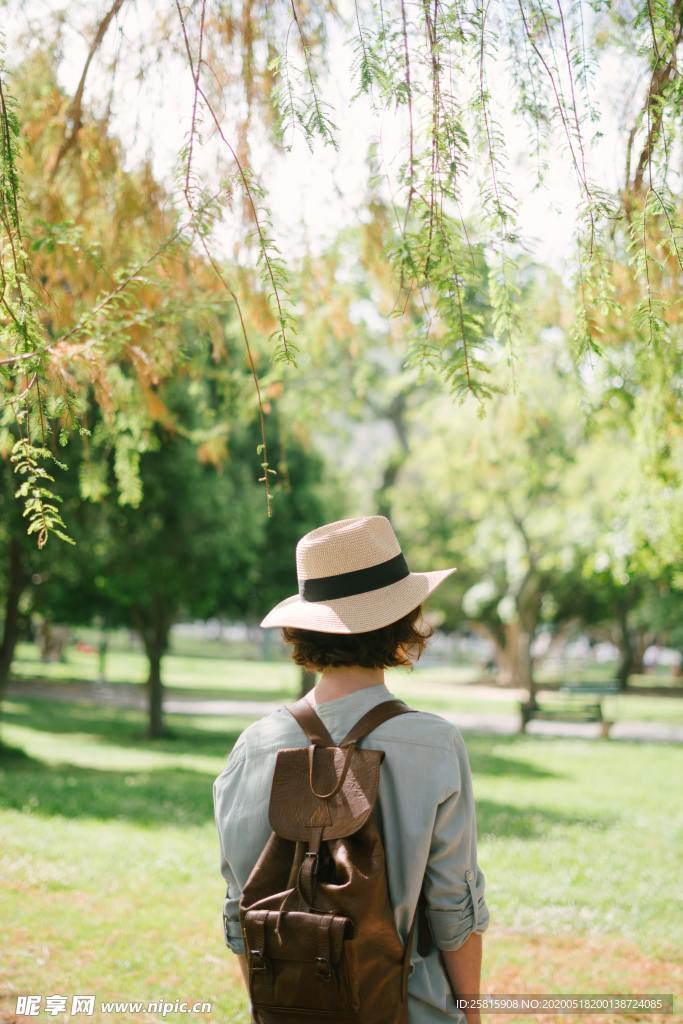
302 967
332 788
307 937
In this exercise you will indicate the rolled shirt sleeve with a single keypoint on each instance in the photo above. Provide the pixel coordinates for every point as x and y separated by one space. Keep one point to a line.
224 792
454 884
232 931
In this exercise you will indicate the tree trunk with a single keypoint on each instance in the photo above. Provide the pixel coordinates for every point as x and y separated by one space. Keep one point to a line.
514 658
155 693
641 640
529 611
307 681
626 651
16 583
102 658
525 668
395 414
505 658
154 629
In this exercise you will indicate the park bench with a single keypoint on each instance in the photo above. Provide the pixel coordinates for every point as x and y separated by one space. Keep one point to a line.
599 689
570 704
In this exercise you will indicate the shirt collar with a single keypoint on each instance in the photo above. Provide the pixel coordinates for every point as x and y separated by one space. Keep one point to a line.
347 710
367 695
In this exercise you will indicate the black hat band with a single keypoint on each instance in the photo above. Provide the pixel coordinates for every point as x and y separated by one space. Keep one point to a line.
359 581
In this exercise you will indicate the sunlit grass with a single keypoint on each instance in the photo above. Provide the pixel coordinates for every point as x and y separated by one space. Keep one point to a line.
111 880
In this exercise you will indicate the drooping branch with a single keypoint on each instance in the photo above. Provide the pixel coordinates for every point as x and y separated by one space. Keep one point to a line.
8 161
409 55
411 127
319 118
74 116
560 106
85 320
664 72
196 72
195 68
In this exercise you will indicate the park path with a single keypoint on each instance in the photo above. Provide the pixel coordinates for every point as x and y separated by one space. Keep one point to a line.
128 695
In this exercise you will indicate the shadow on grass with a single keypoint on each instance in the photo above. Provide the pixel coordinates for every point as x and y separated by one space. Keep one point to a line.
176 797
503 821
484 762
124 727
159 797
183 796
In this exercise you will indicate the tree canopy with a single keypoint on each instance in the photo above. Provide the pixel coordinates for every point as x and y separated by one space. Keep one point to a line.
104 307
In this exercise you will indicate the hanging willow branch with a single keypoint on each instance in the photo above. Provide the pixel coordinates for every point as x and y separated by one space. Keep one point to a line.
273 271
74 116
22 336
458 270
661 90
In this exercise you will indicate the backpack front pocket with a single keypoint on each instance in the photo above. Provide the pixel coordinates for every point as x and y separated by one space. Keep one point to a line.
298 962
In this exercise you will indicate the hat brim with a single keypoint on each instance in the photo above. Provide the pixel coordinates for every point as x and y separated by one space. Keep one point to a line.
359 613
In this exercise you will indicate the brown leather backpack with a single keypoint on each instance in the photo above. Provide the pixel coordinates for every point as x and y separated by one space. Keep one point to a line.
318 927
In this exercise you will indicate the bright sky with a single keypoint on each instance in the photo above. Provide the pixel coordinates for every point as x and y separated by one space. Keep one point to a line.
311 197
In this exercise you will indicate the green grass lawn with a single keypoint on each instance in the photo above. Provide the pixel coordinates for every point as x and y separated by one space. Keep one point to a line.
111 881
433 688
215 676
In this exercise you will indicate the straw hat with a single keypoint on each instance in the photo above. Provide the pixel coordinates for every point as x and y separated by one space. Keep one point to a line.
353 578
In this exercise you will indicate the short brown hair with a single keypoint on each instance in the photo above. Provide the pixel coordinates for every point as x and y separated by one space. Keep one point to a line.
385 647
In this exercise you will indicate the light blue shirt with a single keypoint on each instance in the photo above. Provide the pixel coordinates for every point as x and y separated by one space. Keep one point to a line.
425 813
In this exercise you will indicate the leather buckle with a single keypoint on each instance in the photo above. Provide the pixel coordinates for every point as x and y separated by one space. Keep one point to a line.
258 961
323 968
314 855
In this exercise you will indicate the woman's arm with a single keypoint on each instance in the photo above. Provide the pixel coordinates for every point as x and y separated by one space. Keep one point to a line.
463 967
454 884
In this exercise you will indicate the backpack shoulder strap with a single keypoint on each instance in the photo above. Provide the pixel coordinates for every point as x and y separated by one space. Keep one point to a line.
316 732
311 724
375 717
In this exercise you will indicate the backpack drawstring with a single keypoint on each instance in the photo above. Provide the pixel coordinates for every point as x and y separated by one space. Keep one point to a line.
280 912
